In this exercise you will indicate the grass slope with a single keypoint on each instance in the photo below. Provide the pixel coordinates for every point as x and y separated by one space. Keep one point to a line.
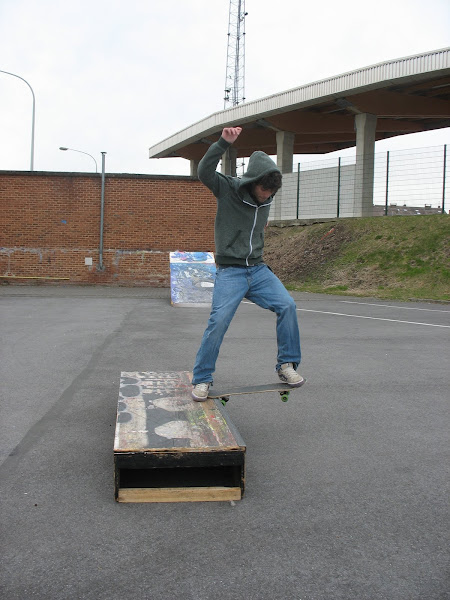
383 257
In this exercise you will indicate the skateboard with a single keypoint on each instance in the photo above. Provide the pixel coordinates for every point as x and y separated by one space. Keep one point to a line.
224 395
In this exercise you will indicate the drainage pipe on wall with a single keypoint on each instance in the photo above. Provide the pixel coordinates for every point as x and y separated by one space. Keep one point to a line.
102 211
31 277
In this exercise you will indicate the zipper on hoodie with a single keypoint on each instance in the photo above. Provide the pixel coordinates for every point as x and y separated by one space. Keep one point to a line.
254 224
251 235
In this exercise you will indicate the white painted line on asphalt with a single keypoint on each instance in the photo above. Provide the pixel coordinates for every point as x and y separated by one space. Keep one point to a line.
325 312
393 306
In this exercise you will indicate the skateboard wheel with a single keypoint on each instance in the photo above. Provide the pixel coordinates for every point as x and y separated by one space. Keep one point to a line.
224 400
284 397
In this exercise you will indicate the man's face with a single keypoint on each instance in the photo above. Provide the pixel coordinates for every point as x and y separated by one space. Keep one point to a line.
260 193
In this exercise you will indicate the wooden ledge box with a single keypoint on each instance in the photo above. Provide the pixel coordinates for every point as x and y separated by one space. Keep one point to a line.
169 448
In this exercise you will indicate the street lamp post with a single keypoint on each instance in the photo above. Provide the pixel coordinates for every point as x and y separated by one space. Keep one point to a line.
101 266
32 118
81 152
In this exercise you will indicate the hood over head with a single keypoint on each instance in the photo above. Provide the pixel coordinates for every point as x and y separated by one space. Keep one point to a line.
259 164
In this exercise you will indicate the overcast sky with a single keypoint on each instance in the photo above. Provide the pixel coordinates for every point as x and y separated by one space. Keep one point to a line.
120 76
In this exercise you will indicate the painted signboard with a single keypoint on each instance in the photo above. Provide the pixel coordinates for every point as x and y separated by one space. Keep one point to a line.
192 278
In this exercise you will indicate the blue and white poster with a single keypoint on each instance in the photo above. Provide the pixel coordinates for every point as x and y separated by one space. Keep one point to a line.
192 277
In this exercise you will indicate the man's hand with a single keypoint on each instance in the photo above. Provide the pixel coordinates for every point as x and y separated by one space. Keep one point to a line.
231 134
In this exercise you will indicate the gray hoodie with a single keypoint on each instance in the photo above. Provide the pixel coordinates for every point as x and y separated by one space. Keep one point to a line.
240 220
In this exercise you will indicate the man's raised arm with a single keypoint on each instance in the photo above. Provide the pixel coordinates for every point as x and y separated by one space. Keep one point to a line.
207 166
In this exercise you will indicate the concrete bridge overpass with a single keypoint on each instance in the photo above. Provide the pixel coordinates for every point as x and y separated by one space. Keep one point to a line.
405 95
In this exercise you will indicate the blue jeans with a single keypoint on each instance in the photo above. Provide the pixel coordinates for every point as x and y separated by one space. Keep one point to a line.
259 285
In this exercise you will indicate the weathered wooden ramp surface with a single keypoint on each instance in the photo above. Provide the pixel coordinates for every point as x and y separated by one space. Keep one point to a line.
169 448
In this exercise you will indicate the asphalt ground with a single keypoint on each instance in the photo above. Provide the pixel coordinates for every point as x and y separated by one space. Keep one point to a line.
346 486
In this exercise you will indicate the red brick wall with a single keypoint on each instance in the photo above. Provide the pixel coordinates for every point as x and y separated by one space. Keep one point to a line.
50 222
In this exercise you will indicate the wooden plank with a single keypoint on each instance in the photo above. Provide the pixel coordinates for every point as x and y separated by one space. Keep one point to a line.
159 460
156 412
197 494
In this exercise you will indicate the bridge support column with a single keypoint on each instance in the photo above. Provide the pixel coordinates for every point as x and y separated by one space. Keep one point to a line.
365 125
285 151
194 167
285 161
229 162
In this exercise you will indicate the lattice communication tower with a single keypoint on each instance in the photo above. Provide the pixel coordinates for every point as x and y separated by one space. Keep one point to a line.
235 73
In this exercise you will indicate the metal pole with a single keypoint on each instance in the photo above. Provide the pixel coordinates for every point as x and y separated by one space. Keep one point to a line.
338 188
443 179
387 184
33 116
298 191
102 210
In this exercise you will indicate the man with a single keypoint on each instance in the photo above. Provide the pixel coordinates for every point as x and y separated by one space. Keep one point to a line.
243 207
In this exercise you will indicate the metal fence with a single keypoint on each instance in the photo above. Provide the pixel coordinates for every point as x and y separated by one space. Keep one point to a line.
404 182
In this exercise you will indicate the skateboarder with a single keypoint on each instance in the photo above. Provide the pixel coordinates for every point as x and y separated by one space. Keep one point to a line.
243 206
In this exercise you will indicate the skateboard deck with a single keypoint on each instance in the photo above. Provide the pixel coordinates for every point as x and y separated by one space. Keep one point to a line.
224 395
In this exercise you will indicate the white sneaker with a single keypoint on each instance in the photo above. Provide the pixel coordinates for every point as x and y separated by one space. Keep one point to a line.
289 375
200 392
